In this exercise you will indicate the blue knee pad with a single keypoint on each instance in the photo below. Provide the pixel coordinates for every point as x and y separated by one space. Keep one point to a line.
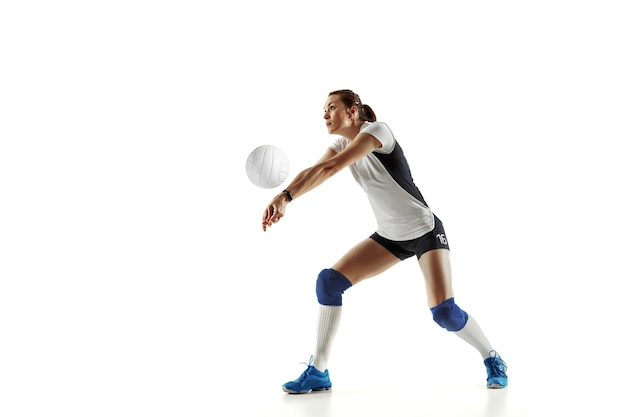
330 286
449 316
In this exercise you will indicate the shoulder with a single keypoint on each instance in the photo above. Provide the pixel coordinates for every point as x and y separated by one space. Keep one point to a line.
339 144
382 132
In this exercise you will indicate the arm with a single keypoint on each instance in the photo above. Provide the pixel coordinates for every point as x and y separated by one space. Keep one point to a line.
326 167
329 154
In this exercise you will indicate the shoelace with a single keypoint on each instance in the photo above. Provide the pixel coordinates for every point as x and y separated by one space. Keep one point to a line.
497 366
307 370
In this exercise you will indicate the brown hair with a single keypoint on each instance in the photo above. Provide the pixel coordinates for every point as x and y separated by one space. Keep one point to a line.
349 98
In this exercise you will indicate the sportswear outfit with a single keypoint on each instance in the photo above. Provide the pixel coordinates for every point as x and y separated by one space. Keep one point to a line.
407 227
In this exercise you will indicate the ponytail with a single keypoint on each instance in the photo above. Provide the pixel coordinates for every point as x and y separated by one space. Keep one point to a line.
366 113
350 98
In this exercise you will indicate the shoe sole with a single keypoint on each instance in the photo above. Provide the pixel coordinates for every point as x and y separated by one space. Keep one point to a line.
290 391
496 386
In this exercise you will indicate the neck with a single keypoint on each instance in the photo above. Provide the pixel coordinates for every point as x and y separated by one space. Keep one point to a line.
350 132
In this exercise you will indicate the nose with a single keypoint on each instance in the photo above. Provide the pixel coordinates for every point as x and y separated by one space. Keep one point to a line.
326 115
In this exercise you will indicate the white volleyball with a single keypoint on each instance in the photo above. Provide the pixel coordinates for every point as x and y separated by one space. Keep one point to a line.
267 166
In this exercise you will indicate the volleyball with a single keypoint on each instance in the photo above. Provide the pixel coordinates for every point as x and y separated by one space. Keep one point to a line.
267 166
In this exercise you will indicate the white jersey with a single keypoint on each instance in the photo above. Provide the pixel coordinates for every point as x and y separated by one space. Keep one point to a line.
399 208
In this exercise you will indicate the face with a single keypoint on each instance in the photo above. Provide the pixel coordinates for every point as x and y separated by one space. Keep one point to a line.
336 115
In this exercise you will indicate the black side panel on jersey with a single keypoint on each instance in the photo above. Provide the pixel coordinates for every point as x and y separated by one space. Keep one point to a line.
397 166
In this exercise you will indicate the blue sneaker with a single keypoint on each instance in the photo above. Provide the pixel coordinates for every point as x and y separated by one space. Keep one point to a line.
496 371
310 380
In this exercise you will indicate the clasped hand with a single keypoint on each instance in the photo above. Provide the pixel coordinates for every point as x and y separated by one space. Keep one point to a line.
274 211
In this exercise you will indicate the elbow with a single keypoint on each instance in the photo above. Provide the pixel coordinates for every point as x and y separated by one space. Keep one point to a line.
330 171
325 170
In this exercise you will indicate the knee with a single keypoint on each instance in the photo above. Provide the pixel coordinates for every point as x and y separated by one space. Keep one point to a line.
449 316
330 287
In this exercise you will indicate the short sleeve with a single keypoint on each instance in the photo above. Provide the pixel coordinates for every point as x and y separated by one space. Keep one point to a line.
383 133
339 144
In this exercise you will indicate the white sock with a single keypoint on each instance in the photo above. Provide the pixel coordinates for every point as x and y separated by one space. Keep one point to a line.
328 323
473 335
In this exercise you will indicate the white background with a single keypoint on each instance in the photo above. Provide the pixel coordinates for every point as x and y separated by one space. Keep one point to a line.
135 278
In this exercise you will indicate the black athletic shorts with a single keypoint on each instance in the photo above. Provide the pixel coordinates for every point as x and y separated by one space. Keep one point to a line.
404 249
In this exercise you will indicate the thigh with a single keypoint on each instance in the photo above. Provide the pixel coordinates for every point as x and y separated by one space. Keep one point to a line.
365 260
435 265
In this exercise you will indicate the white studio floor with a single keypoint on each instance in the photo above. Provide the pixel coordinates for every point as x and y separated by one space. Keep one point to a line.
455 400
431 396
467 400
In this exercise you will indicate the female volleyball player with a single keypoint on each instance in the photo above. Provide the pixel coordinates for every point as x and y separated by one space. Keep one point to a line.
406 227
